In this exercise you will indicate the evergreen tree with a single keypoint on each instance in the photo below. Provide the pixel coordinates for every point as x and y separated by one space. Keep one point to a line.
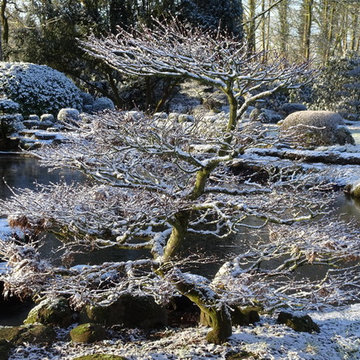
214 13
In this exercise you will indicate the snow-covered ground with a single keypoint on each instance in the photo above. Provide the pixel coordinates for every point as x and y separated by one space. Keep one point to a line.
4 227
339 339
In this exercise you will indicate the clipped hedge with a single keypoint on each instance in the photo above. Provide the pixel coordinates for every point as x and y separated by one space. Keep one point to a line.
38 89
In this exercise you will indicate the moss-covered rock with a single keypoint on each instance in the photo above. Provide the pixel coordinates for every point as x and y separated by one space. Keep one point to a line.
129 311
298 323
87 333
239 316
245 316
100 357
235 355
5 348
353 190
37 334
55 311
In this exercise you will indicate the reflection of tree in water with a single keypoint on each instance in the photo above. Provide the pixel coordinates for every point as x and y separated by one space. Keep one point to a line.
23 172
348 208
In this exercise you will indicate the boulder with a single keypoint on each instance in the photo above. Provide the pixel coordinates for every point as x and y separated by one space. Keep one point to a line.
186 118
289 108
136 115
353 190
68 115
244 316
160 116
99 357
315 128
34 333
54 311
31 124
268 116
102 104
129 311
239 317
298 323
87 333
174 116
242 355
47 118
265 116
34 117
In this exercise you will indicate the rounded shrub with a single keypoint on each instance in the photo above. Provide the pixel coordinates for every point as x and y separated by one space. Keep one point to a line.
38 89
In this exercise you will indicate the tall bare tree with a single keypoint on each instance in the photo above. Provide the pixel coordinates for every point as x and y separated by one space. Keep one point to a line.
4 29
307 8
284 26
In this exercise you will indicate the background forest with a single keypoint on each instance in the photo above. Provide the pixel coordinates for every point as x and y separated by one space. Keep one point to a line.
46 31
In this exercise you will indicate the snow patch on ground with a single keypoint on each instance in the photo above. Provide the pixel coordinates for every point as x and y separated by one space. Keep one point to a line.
5 229
339 338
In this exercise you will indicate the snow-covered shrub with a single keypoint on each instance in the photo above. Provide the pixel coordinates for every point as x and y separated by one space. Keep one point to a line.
87 98
8 106
10 123
316 128
102 104
38 88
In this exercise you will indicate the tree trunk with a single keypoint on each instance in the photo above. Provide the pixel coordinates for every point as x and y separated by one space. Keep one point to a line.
284 27
201 294
354 32
263 26
4 31
218 317
251 27
178 233
268 30
306 36
330 32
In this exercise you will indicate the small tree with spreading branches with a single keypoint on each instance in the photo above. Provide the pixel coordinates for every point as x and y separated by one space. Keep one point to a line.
153 184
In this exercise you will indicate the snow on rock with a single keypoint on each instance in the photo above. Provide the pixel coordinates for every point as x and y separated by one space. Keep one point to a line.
38 88
68 115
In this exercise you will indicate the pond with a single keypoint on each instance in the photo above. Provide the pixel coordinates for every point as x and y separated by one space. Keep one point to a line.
25 172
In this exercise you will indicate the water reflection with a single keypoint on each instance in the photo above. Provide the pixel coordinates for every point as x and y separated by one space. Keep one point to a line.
348 208
25 172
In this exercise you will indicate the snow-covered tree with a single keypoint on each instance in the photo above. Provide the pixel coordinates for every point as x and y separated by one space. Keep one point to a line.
153 184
